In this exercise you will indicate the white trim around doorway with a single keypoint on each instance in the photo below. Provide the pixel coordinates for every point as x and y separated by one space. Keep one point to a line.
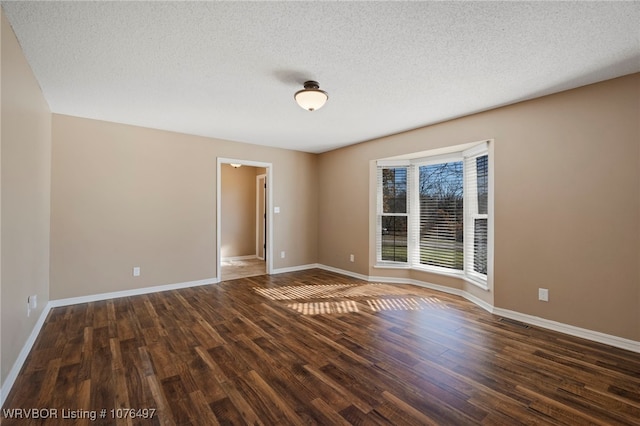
260 239
268 201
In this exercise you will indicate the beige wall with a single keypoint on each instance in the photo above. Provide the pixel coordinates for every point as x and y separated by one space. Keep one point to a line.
125 196
567 204
238 210
25 192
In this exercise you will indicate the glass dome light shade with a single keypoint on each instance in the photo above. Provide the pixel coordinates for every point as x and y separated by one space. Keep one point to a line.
311 97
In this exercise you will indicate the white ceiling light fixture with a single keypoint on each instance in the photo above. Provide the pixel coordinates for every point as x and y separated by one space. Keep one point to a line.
311 97
235 165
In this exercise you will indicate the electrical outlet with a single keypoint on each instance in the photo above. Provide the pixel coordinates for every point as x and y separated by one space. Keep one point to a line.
352 258
543 294
33 301
282 254
136 271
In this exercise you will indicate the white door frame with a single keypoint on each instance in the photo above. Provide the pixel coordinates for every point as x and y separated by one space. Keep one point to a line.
261 192
268 204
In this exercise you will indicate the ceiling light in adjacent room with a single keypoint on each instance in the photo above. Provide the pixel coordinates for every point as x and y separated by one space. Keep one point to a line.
235 165
311 97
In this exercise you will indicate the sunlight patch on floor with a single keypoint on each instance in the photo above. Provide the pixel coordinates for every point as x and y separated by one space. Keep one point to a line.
328 291
405 304
315 308
375 297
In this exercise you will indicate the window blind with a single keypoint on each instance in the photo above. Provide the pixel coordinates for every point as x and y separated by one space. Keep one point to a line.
476 213
393 213
439 219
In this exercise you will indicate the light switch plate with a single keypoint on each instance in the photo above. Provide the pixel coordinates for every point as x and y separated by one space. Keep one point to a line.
543 294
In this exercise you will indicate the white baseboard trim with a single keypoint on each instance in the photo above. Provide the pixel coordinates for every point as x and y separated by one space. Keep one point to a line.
294 268
595 336
425 284
343 272
232 258
22 356
134 292
477 301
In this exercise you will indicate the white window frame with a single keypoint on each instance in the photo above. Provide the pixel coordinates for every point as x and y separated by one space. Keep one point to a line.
415 217
413 213
471 213
380 211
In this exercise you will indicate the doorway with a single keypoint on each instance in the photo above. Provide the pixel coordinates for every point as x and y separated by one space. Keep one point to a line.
243 219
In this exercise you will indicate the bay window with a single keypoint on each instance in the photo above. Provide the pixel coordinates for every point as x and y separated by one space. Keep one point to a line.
433 213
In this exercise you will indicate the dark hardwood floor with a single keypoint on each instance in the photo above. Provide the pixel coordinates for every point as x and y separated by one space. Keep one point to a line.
315 347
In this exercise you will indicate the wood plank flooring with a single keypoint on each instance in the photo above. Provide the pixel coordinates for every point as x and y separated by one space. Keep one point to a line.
242 268
315 347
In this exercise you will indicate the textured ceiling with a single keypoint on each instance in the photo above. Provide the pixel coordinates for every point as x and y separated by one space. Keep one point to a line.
229 69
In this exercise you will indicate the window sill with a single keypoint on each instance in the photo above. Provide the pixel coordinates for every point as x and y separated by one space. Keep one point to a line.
439 271
480 284
391 266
